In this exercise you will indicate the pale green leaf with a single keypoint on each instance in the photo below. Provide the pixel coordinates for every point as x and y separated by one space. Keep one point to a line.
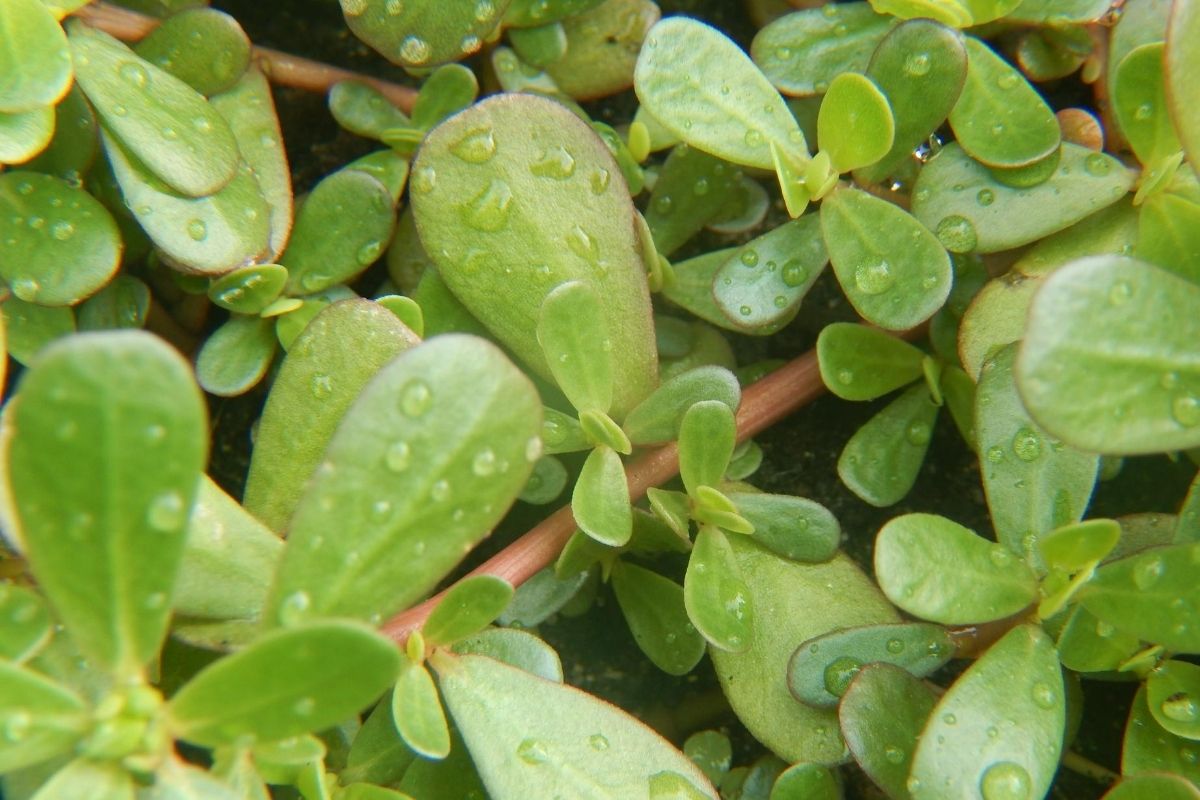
418 714
1140 103
715 592
468 607
600 500
581 364
46 717
859 362
855 127
34 58
205 48
1182 63
881 461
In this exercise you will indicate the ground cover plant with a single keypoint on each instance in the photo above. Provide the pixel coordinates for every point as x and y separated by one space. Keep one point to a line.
453 474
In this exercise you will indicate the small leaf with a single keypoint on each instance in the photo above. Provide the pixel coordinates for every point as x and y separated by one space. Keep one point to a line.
123 405
706 439
692 189
706 91
516 648
123 303
893 270
673 508
883 745
859 362
600 501
362 109
1140 103
1120 334
286 683
34 58
1072 547
1150 748
711 751
377 753
422 33
562 433
1173 696
653 607
525 733
581 364
1182 61
1169 234
794 527
658 417
250 289
806 781
236 356
995 318
855 127
418 713
448 90
205 48
1014 689
716 596
468 607
881 461
602 46
541 597
999 118
1087 644
823 667
30 327
87 779
47 718
938 570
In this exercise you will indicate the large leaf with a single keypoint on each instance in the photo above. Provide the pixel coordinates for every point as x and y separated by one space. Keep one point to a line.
998 731
530 737
705 90
423 33
40 718
34 58
517 195
1183 62
326 368
205 48
110 439
287 683
424 464
1109 361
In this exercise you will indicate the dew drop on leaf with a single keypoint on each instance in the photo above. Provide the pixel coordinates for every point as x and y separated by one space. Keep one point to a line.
839 673
1186 410
957 234
1027 444
415 398
598 741
1180 707
1044 696
489 210
166 512
874 278
1005 780
414 50
1147 572
532 751
794 274
476 147
484 463
304 706
322 386
17 726
424 180
555 163
893 754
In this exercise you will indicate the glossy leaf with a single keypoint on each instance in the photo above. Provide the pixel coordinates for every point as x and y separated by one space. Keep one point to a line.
706 91
1182 60
468 607
580 363
806 782
326 369
123 303
423 33
999 118
920 67
361 108
418 713
763 283
862 363
1087 644
531 13
711 751
1073 547
1169 234
34 59
562 433
692 190
1150 595
802 52
986 216
653 606
822 668
1150 748
423 465
881 460
692 288
286 683
249 290
526 734
30 327
855 127
205 48
715 593
707 435
448 90
516 648
540 597
602 46
893 270
883 745
794 527
658 417
1044 11
804 600
106 553
1140 104
1172 695
61 245
236 356
940 571
995 318
24 134
501 252
1120 334
161 121
47 717
1034 483
600 500
1153 787
999 728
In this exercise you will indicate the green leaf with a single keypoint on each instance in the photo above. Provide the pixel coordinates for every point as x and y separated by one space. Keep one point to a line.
1140 103
881 461
418 713
423 465
161 121
705 90
999 118
802 52
999 728
250 289
600 500
855 127
326 369
711 751
448 90
1121 335
763 283
1041 12
986 216
516 648
85 779
1072 547
823 667
362 109
707 435
481 188
692 189
1172 694
920 66
1153 787
61 244
859 362
123 303
1087 644
29 626
532 13
801 601
658 417
602 46
450 778
1034 483
341 228
46 718
562 433
236 356
541 46
287 683
715 594
30 327
693 287
423 33
124 406
1150 748
995 318
377 753
24 134
540 597
883 744
1169 234
581 364
1182 61
34 58
468 607
807 782
893 270
938 570
653 607
794 527
205 48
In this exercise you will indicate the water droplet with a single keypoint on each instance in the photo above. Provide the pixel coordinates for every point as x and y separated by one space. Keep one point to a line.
416 398
598 741
17 726
134 73
998 129
1044 695
917 64
166 512
1180 707
62 230
532 751
1000 555
845 377
893 754
369 252
749 258
663 205
783 53
469 44
1143 112
794 274
440 491
304 707
1008 80
1186 410
1147 572
398 456
484 463
874 278
197 229
322 386
1027 444
424 179
25 289
476 147
780 301
600 180
583 245
700 187
394 7
1097 165
489 210
753 138
746 311
1120 293
949 719
918 434
1005 780
414 50
120 111
985 197
533 449
957 234
294 607
485 10
555 163
839 673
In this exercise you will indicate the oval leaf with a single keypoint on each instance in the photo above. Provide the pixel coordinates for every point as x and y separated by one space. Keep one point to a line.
793 527
654 608
881 461
418 713
855 126
657 418
859 362
715 594
600 500
1172 694
468 607
205 48
47 718
581 364
34 58
423 33
1140 103
1183 60
236 356
707 436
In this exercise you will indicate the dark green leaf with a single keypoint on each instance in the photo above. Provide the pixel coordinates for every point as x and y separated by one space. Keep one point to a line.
1154 787
600 500
706 439
540 597
715 593
41 719
546 482
75 144
423 33
859 362
377 754
562 433
236 356
806 781
1140 103
418 713
203 47
250 289
692 289
881 461
654 608
657 418
30 327
361 108
581 363
468 607
1149 748
692 189
123 303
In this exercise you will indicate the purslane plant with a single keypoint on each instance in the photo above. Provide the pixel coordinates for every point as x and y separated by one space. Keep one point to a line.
167 639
